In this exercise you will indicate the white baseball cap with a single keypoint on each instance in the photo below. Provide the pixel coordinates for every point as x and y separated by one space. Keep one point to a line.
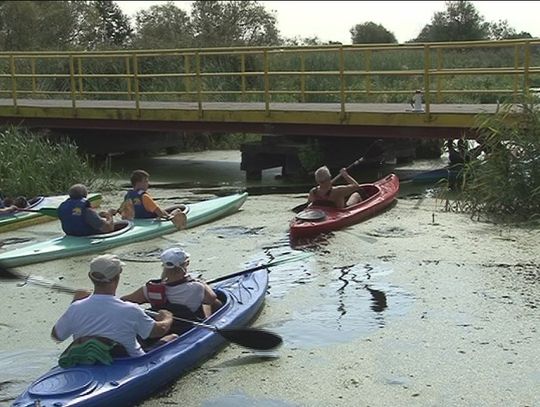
105 268
174 257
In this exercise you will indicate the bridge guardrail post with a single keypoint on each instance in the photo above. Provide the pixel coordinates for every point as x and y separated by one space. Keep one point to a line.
72 83
199 83
526 66
342 84
136 85
266 85
128 79
80 75
427 90
13 82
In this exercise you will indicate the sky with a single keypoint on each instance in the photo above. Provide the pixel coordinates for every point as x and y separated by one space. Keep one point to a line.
332 20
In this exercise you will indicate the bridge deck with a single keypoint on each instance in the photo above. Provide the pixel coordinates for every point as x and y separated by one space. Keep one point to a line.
280 118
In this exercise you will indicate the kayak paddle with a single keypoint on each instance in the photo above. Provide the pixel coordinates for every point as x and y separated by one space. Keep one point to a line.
286 259
301 207
253 338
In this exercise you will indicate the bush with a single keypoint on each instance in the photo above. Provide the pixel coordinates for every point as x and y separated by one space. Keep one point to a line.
31 165
506 182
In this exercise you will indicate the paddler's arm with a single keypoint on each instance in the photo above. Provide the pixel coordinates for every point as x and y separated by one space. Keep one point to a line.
162 324
136 297
350 180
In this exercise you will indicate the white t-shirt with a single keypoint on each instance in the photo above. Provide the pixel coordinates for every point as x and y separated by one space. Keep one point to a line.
190 294
107 316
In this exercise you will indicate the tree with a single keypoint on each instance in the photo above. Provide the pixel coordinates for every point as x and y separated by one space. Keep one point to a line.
163 26
501 30
53 25
102 24
459 22
232 23
371 33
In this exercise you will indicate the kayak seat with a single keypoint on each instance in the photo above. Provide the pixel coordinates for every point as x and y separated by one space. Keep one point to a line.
367 191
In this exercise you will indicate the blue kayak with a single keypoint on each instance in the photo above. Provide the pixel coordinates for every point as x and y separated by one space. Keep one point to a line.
133 231
130 380
447 173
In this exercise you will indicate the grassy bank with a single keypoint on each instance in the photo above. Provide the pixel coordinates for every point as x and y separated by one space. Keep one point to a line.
32 165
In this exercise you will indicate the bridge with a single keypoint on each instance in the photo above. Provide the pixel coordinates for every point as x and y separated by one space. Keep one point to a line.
393 91
348 90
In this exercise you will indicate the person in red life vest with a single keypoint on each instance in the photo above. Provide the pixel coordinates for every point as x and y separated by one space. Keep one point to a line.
139 204
78 218
338 196
176 290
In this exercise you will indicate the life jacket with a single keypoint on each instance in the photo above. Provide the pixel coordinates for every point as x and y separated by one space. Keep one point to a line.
71 214
136 199
156 292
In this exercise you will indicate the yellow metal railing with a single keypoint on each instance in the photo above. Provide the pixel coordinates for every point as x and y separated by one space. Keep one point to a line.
464 72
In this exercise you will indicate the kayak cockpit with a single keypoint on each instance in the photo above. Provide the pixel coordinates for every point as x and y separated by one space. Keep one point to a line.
120 227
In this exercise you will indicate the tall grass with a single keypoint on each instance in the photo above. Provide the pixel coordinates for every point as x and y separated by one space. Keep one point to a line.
31 165
505 184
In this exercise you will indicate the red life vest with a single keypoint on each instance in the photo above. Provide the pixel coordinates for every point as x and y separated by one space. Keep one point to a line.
156 293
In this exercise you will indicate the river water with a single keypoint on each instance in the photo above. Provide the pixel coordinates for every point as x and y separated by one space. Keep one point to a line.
406 308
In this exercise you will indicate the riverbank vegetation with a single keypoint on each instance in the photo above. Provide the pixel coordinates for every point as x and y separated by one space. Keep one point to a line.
31 165
504 182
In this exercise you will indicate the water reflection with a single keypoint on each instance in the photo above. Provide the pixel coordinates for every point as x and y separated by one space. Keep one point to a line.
354 301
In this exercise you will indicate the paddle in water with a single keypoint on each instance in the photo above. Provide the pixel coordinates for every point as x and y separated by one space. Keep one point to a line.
253 338
301 207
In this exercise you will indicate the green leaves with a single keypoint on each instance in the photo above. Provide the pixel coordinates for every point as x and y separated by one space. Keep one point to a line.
506 183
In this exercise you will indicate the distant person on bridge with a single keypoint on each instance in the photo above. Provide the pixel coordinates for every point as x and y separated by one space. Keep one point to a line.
78 218
139 204
339 196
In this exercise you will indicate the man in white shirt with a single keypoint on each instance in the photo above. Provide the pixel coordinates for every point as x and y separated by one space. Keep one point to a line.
102 314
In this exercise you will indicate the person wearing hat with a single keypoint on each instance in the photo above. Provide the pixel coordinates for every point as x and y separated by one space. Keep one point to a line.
176 290
78 218
102 314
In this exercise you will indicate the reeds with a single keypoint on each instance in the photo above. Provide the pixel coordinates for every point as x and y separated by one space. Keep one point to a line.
32 165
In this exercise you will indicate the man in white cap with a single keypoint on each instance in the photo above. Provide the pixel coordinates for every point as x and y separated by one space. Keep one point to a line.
102 314
177 291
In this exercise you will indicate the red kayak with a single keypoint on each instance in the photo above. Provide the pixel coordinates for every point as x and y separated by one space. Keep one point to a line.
321 219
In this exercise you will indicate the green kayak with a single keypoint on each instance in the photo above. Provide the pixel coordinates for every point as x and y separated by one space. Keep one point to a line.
136 230
45 208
